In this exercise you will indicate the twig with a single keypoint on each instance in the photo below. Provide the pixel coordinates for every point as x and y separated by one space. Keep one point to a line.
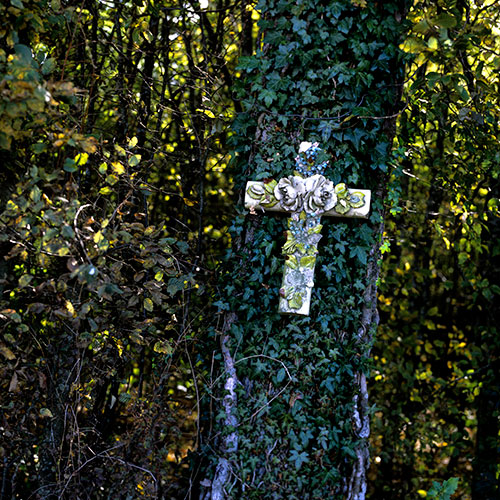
77 231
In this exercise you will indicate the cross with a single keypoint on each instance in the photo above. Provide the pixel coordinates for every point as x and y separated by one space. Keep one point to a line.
307 196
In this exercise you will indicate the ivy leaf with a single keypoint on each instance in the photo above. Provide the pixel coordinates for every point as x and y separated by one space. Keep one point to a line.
299 458
268 96
360 253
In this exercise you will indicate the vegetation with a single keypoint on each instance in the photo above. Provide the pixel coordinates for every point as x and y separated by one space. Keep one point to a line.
131 276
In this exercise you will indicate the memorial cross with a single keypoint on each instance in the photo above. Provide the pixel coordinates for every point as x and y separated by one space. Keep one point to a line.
308 195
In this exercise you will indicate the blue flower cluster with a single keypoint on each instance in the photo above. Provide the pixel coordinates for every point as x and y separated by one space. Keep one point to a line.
306 162
299 228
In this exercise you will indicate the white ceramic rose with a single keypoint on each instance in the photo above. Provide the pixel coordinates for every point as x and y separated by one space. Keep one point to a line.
320 195
290 193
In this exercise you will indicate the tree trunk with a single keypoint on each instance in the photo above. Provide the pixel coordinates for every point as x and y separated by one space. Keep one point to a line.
292 417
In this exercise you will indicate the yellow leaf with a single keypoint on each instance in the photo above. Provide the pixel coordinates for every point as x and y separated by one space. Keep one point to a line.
70 308
81 158
163 347
148 304
432 43
188 202
118 168
120 150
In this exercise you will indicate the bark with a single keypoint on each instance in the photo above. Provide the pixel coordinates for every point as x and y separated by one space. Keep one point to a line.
216 488
361 418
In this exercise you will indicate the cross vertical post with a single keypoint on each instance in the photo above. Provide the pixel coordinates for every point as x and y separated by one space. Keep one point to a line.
307 196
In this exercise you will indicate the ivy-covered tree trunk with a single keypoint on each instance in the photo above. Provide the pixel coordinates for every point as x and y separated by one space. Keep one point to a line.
293 413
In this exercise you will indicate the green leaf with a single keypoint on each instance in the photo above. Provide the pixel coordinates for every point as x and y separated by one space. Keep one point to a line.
163 347
67 232
175 285
35 194
445 20
17 3
134 160
48 66
360 253
124 397
24 53
45 412
69 165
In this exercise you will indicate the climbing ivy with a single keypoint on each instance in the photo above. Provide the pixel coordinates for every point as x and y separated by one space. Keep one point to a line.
297 423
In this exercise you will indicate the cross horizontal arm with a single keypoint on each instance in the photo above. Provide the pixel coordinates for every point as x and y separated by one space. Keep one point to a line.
252 203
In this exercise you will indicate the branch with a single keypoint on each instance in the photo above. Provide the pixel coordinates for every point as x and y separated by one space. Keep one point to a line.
230 401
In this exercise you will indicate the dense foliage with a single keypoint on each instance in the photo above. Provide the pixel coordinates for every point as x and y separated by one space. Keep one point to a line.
112 153
437 385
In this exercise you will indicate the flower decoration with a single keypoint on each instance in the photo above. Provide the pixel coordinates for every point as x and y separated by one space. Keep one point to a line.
289 192
320 195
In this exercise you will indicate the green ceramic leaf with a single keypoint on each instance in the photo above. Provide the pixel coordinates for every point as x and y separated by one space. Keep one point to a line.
286 292
269 187
342 208
356 199
301 248
268 202
315 229
255 191
341 190
308 262
292 262
290 245
296 301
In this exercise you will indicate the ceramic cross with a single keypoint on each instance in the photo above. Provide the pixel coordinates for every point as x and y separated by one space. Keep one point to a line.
307 196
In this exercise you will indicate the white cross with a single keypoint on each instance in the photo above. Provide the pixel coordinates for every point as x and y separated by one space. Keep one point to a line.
308 195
